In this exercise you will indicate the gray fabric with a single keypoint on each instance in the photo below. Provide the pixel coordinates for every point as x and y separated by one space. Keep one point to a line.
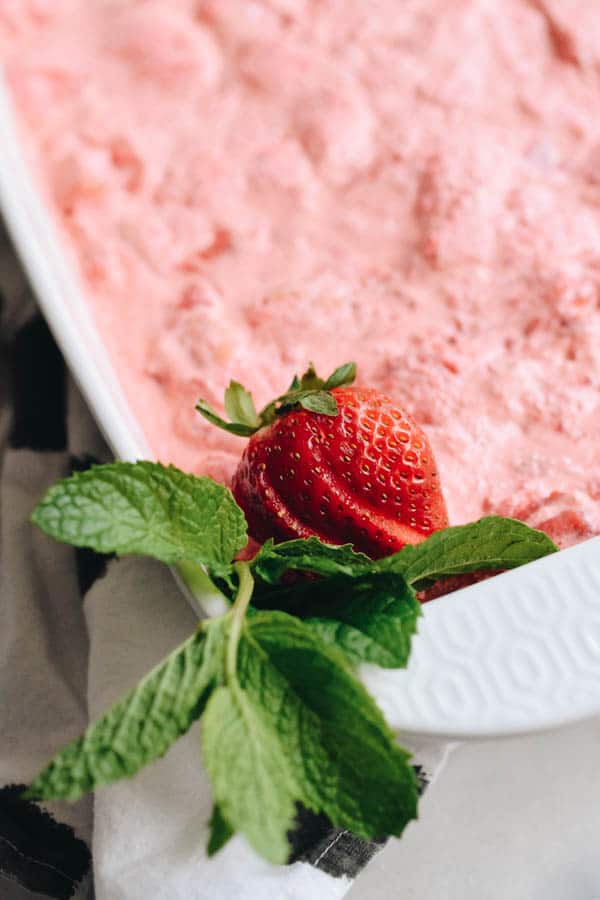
43 643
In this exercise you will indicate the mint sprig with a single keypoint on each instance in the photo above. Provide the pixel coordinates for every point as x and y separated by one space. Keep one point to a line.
145 508
308 392
285 720
292 725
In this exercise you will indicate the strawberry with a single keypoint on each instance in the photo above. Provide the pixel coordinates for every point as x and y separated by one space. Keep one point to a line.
343 463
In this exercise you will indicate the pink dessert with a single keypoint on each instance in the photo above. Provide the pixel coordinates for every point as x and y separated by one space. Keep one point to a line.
248 185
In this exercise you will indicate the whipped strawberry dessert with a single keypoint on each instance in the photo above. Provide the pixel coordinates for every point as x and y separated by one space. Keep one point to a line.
245 186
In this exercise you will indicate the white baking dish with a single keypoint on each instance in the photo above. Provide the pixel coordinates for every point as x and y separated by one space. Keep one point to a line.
517 653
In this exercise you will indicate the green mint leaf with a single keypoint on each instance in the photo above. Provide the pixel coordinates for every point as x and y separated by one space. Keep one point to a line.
342 376
211 416
311 555
252 780
142 726
372 618
349 763
319 402
145 508
239 406
493 542
220 832
295 726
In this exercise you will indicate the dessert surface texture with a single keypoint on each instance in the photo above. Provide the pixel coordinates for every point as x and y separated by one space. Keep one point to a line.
245 186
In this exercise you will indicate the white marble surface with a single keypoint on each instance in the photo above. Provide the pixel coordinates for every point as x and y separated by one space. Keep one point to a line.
516 819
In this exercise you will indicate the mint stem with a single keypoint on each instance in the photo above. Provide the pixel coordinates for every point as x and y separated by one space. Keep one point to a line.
209 600
238 612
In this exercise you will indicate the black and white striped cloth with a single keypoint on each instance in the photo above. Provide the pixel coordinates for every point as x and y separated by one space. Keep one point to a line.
75 634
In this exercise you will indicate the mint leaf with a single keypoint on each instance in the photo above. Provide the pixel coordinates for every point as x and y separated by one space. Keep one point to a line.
252 780
294 725
372 618
239 406
310 555
493 542
351 767
220 832
343 375
145 508
142 726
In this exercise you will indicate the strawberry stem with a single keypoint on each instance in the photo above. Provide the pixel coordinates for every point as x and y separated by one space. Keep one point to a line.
309 392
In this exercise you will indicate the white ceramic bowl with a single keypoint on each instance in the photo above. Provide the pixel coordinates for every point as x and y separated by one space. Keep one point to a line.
516 653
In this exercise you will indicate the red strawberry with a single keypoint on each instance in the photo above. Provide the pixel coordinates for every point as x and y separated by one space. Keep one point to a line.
345 464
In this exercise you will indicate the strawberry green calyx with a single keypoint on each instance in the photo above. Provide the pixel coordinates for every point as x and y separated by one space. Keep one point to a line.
309 392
